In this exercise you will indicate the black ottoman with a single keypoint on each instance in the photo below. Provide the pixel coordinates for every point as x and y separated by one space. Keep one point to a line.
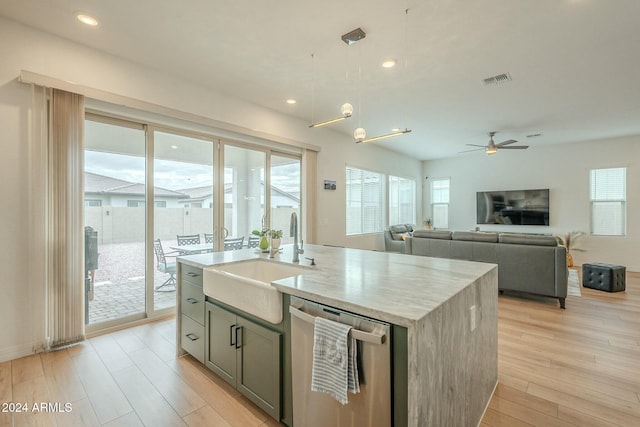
604 277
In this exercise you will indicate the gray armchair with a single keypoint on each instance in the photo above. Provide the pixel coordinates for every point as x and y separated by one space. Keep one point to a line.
393 237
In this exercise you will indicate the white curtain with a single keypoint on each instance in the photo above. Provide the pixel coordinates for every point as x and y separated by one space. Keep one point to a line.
65 251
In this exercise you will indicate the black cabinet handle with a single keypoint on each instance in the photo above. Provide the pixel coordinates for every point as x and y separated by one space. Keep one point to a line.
231 335
238 340
192 337
192 300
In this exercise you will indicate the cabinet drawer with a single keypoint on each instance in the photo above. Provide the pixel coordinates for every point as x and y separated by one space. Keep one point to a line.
192 303
191 274
192 337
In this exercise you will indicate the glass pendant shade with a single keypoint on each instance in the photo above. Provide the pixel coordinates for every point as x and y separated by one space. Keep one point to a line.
359 134
346 109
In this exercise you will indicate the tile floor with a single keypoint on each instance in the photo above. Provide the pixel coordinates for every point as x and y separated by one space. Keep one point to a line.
115 300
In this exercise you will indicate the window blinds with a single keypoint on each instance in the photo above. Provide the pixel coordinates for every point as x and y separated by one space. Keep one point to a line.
608 194
365 200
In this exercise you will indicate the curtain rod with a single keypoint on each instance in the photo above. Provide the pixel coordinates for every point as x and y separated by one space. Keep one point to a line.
102 95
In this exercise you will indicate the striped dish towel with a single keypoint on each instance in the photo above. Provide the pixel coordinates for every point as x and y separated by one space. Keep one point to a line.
334 369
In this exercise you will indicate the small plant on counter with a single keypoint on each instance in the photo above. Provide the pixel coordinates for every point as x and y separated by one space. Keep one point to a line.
275 234
264 234
427 223
265 230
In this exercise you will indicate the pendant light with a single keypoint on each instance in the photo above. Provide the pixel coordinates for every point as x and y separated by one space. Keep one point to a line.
364 140
346 110
359 134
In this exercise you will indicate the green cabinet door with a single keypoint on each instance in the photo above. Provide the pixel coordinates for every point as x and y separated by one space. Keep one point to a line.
258 366
220 346
246 355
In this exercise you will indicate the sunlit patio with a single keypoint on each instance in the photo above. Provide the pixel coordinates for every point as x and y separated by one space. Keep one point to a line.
119 287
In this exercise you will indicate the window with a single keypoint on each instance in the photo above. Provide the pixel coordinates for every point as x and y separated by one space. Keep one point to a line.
365 201
160 204
90 203
286 186
402 200
608 201
440 203
135 203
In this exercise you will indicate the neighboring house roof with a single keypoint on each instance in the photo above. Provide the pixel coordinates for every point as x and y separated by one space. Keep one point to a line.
293 196
94 183
101 184
196 194
203 193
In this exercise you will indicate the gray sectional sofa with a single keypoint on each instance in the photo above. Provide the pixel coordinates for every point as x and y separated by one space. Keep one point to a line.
526 263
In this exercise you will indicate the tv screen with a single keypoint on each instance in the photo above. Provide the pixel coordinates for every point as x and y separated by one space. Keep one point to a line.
517 207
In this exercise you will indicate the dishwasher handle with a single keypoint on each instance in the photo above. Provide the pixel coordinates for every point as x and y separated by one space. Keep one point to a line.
369 337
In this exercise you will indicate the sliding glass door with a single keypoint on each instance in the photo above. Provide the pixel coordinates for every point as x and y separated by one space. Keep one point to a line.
183 205
285 193
114 212
244 195
152 194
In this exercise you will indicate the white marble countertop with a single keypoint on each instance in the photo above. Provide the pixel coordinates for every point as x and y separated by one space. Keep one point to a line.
396 288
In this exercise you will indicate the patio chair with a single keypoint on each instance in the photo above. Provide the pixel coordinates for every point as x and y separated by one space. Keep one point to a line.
164 266
208 238
253 242
189 239
233 243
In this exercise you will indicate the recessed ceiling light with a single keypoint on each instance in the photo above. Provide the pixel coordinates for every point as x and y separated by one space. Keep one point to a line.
175 147
389 63
86 19
291 101
395 130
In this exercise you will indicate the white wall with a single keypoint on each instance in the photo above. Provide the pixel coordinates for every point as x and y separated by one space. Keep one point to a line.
22 48
564 169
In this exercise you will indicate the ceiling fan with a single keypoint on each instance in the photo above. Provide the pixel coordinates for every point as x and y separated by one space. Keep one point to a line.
492 147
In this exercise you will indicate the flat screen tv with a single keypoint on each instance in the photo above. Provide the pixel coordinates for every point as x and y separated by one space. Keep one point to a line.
516 207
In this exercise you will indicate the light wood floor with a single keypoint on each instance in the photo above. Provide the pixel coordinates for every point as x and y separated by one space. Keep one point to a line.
579 366
126 378
573 367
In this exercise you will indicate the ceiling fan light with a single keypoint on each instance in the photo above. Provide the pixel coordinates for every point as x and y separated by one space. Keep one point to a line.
491 150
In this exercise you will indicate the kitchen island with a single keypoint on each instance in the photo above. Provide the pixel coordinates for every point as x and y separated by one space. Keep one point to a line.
444 314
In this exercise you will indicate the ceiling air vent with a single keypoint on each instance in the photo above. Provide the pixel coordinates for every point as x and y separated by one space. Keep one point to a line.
534 135
496 80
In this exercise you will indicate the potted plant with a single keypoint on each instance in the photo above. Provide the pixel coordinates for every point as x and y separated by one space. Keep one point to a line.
427 223
276 238
264 238
570 241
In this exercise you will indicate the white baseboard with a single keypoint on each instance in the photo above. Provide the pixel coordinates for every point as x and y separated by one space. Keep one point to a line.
22 350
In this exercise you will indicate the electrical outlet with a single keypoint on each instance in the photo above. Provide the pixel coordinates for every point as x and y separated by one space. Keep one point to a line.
472 317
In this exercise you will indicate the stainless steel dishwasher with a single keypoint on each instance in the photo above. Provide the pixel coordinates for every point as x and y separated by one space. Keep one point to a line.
370 407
